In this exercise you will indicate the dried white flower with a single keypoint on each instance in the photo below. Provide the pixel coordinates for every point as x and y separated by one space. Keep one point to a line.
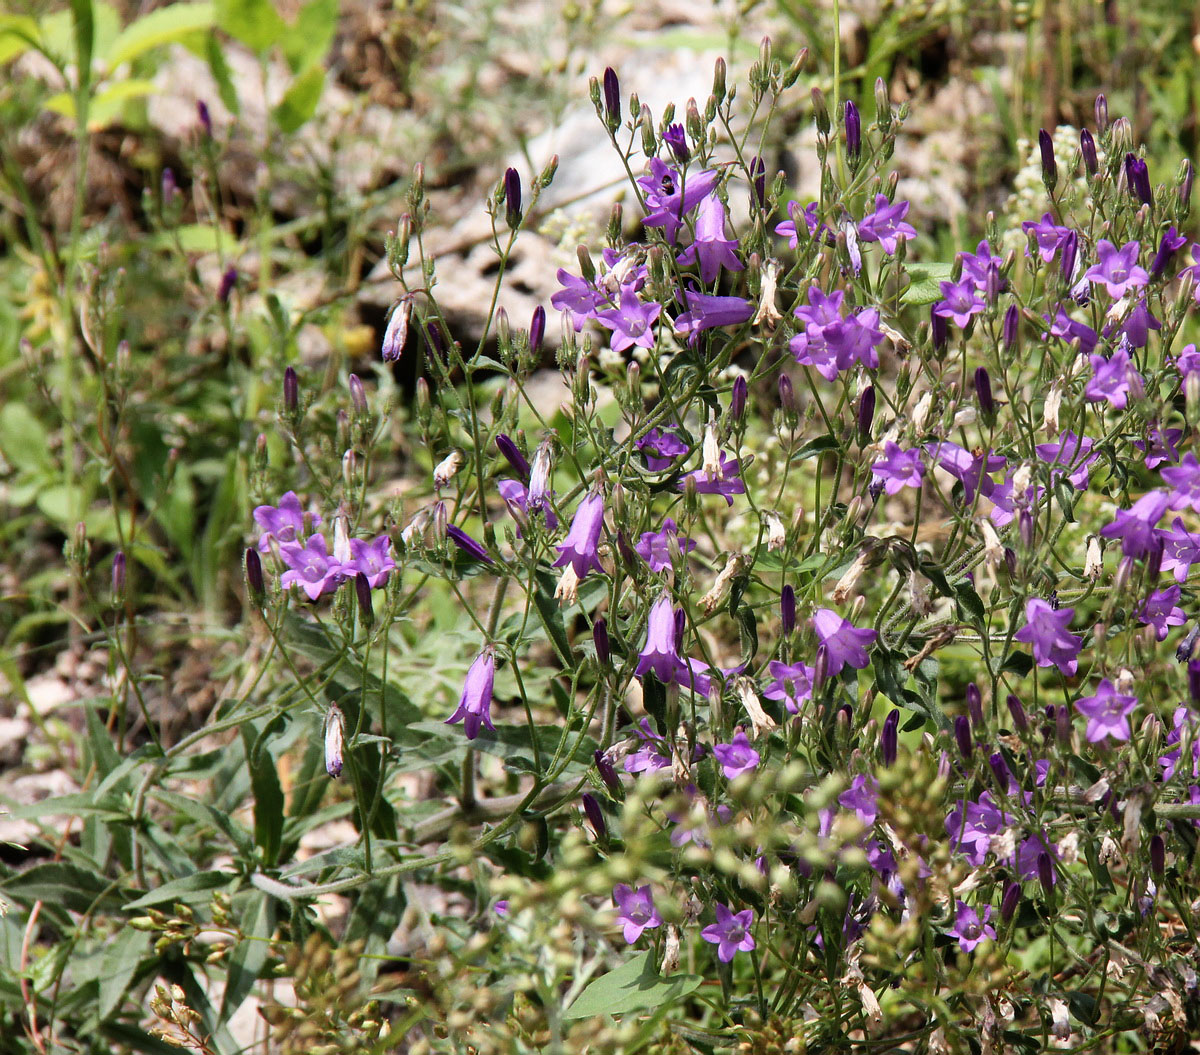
446 469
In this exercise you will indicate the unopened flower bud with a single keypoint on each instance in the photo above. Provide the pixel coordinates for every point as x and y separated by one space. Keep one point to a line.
118 577
1193 676
396 334
1049 168
1045 870
939 330
612 99
787 609
358 395
600 640
718 89
362 592
675 136
1020 722
335 735
1062 724
512 198
853 123
821 112
608 772
889 738
1187 646
1010 900
1186 178
537 330
291 392
646 124
787 396
983 393
737 398
962 736
1138 175
758 181
512 455
254 578
595 816
1087 148
1101 109
866 414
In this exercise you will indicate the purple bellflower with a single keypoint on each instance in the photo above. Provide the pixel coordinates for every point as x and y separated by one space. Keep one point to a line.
710 248
1161 610
959 302
655 546
843 643
863 798
971 470
1046 629
707 312
1135 526
1117 271
736 757
731 933
1113 379
1068 329
1184 480
661 447
475 703
1181 549
1072 455
373 559
632 322
898 468
726 482
1162 445
670 197
635 910
792 684
1048 235
312 567
886 224
579 548
660 654
283 523
1107 713
969 929
652 754
808 214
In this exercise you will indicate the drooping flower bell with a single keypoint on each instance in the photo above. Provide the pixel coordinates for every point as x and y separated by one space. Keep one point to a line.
475 703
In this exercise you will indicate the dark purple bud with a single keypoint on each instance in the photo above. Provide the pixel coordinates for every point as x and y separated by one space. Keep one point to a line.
983 393
1087 147
537 329
1045 869
889 738
1158 855
205 117
600 640
866 414
821 665
1185 186
1187 646
787 395
1070 249
853 133
1010 560
1138 176
992 283
787 609
512 198
1012 320
962 735
291 391
1154 558
1000 770
1194 680
939 330
169 187
758 181
1008 903
1025 528
435 338
362 591
676 139
1020 722
608 772
612 97
254 577
1062 724
975 706
1101 112
1170 241
358 396
118 575
737 398
228 282
1049 168
513 456
680 623
595 815
467 544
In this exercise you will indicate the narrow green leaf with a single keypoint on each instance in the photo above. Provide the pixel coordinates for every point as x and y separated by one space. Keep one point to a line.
161 26
121 960
300 100
221 74
308 39
255 23
268 798
256 916
185 889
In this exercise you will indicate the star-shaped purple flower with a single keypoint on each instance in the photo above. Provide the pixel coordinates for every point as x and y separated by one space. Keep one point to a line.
1048 235
736 757
1117 270
632 323
731 933
1161 610
1113 379
959 302
726 482
284 523
886 224
1046 629
898 468
1107 713
654 547
635 909
844 644
969 929
1135 526
792 684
